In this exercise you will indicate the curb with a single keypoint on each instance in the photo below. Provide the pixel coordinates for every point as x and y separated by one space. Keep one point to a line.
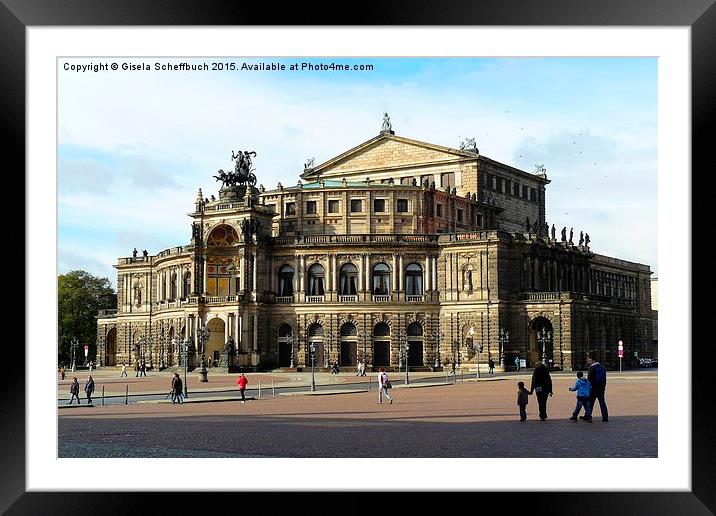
193 400
65 406
322 393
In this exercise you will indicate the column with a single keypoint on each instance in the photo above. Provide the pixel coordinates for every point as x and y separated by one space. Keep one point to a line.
401 272
240 334
394 285
256 332
427 274
255 271
227 330
301 274
367 272
361 274
206 275
433 270
242 271
334 281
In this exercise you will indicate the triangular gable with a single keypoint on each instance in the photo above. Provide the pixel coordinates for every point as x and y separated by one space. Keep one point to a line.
386 150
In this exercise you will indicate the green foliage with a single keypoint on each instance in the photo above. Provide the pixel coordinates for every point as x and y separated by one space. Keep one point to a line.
80 295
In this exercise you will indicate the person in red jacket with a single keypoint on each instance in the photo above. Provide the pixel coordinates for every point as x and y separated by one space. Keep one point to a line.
242 382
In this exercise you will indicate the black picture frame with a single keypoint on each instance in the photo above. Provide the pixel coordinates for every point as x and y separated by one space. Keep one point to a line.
699 15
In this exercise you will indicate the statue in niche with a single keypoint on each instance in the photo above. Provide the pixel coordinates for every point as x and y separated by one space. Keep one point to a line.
229 346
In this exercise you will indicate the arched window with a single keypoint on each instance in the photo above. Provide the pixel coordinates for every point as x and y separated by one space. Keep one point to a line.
223 236
285 281
186 285
173 286
315 330
285 330
348 280
381 280
316 275
415 330
381 330
414 280
348 330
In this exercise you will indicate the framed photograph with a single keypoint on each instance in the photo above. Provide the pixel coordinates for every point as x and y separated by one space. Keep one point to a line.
459 198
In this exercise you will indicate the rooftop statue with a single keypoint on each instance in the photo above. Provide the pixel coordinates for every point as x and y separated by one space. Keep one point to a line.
387 127
468 144
242 172
309 163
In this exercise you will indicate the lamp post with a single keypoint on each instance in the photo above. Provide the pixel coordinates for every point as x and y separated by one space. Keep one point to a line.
186 361
407 349
151 355
543 338
203 333
504 343
161 351
74 344
400 336
290 341
326 352
312 348
438 338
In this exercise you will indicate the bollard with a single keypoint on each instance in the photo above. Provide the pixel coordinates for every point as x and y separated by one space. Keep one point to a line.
126 394
259 388
103 395
446 376
273 389
370 380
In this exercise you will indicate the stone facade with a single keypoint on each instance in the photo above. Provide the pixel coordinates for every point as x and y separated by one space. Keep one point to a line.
393 241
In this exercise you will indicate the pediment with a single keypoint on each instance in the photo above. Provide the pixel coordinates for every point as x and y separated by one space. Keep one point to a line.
386 151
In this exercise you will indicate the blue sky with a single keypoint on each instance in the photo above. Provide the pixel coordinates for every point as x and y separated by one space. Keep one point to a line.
135 146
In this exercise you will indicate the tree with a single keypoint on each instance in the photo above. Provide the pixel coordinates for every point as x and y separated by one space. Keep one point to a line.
79 297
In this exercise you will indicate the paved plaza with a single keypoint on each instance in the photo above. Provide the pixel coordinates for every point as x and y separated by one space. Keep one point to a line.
465 419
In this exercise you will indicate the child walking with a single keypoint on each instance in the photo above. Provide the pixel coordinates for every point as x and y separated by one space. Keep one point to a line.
582 387
522 400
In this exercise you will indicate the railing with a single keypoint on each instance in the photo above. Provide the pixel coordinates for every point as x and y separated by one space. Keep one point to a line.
286 300
219 299
347 299
108 312
382 299
353 239
314 299
413 299
541 296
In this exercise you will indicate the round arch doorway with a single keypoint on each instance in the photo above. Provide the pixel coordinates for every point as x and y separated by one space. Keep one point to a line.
349 345
381 345
541 349
285 345
415 339
215 343
315 336
111 349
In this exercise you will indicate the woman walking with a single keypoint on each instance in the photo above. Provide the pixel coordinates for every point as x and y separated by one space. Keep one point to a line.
383 386
542 386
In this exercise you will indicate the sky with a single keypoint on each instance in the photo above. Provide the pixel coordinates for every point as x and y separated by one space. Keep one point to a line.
135 145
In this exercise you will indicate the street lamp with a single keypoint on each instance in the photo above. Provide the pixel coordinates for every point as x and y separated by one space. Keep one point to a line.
438 337
543 338
400 336
290 340
187 342
203 334
161 351
504 342
478 348
407 349
312 347
74 344
327 349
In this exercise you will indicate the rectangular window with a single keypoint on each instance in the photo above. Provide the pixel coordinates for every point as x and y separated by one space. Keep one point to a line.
333 206
524 191
388 181
402 205
498 186
425 178
508 186
516 189
290 208
311 207
478 219
356 205
378 205
533 194
488 180
407 180
439 210
447 179
459 215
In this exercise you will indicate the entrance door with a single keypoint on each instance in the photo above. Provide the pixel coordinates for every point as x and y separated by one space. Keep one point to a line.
415 354
111 358
284 354
349 349
381 354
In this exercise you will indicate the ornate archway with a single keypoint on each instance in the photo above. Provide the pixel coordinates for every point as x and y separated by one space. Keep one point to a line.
541 336
111 347
349 345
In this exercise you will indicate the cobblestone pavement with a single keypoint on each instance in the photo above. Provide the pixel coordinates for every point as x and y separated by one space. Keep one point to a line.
471 419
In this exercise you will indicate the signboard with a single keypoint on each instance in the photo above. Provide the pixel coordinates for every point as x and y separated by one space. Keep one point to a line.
620 350
523 362
86 350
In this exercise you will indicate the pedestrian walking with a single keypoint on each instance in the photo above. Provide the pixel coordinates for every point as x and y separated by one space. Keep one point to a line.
491 366
144 368
522 400
582 387
597 376
62 372
242 381
177 392
453 366
517 363
74 391
90 364
542 386
358 368
383 386
124 371
89 389
362 368
137 369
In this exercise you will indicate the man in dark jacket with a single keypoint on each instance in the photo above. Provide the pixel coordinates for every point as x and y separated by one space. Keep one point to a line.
177 386
75 391
542 386
89 389
597 376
